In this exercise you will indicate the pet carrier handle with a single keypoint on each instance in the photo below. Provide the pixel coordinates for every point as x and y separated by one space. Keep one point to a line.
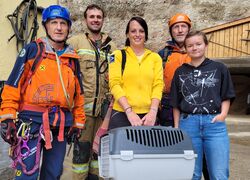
155 128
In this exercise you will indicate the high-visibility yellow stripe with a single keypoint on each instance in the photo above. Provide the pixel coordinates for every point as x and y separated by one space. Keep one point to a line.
90 52
80 168
86 51
94 164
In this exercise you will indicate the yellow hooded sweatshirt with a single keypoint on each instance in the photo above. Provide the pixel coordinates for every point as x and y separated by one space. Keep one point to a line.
141 80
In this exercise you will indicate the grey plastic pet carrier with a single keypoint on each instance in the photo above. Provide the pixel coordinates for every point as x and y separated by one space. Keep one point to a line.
146 153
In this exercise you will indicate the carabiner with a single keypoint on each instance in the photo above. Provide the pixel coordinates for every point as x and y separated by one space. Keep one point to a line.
23 130
19 129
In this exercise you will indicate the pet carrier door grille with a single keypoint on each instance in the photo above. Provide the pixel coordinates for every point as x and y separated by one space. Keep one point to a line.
155 137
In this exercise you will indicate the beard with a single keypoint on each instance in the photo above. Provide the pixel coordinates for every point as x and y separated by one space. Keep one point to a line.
94 31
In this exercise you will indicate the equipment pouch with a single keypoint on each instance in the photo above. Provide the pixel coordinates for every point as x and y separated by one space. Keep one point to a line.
104 107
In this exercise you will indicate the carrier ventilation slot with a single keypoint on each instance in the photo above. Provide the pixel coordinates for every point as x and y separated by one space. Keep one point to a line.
155 137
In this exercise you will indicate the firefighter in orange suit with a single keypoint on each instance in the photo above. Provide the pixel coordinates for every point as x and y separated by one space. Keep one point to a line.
42 101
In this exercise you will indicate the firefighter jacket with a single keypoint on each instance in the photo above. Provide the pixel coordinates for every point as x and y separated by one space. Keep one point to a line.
173 57
140 82
94 67
44 89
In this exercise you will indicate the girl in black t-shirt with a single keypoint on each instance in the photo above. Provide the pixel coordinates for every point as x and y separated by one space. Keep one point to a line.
201 92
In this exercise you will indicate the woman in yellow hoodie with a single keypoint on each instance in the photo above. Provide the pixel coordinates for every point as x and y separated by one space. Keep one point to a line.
137 90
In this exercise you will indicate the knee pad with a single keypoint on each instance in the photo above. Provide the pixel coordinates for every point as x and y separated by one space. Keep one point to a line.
81 152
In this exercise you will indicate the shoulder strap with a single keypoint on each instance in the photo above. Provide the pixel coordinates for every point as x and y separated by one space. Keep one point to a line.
167 51
1 90
123 60
78 73
108 39
165 54
37 60
40 49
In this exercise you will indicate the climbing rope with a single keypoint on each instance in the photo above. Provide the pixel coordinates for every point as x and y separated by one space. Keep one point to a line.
24 22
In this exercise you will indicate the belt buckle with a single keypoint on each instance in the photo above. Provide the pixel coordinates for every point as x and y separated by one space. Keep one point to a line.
54 109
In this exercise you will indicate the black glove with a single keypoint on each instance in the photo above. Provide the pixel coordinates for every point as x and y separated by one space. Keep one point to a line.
8 131
73 135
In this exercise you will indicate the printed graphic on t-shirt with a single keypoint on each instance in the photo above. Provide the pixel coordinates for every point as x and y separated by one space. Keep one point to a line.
195 87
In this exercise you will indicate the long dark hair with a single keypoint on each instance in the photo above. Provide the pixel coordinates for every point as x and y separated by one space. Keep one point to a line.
142 22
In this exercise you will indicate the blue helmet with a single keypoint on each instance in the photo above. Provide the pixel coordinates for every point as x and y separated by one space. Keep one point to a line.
56 11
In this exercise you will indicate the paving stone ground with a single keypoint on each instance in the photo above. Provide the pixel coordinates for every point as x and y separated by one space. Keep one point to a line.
239 131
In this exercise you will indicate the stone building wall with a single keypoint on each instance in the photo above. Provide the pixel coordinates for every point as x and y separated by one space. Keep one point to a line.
203 13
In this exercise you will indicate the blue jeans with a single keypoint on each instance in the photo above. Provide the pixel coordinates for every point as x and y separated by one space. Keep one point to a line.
211 139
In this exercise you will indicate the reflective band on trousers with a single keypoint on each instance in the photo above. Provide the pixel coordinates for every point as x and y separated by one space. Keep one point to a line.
94 164
80 168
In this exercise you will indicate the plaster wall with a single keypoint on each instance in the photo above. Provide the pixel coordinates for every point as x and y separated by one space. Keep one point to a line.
8 51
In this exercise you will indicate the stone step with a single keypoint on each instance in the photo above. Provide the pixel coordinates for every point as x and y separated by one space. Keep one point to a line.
238 123
239 129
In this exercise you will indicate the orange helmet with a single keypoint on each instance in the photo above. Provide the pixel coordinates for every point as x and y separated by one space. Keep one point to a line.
179 17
